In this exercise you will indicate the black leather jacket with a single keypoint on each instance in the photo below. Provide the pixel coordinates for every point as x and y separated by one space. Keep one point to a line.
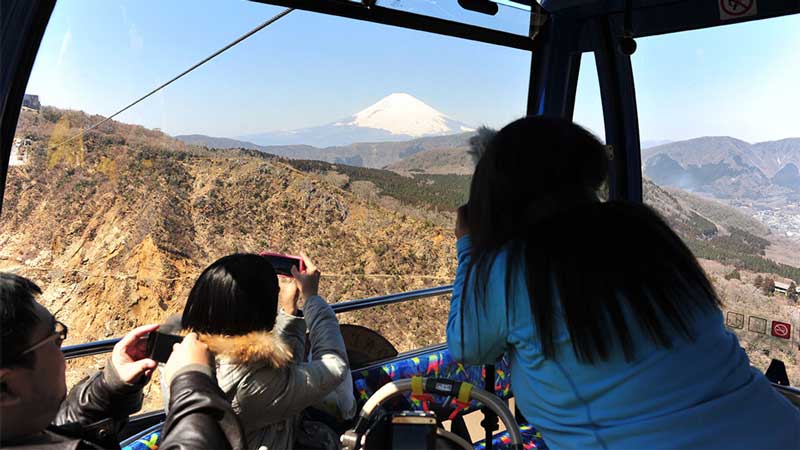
97 409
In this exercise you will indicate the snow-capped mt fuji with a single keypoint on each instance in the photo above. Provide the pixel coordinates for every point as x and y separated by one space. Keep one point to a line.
397 117
404 114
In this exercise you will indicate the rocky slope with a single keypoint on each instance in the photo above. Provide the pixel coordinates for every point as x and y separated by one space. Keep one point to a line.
116 226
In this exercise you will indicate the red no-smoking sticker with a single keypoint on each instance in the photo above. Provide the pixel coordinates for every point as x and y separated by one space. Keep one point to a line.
735 9
781 330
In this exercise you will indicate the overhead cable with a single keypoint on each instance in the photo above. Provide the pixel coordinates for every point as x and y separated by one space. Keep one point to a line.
205 60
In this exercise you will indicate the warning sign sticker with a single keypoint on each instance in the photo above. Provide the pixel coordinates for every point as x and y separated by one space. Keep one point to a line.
781 330
734 320
757 325
736 9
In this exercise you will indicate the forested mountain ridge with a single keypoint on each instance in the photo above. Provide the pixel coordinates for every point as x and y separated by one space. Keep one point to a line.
363 154
727 168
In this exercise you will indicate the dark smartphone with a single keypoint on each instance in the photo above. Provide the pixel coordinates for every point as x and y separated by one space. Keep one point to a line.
283 263
159 345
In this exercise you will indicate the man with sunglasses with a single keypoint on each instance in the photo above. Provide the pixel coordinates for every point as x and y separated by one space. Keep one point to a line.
36 412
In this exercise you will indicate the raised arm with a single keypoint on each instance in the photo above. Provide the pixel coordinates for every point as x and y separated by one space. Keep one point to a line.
311 381
306 383
199 414
114 393
290 325
477 326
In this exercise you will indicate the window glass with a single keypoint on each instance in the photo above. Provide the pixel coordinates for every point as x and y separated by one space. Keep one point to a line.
588 110
340 138
720 161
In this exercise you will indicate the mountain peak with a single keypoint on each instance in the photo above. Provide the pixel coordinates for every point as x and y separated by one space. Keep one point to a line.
403 114
397 117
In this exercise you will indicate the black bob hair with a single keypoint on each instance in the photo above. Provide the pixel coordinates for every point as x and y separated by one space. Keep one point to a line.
235 295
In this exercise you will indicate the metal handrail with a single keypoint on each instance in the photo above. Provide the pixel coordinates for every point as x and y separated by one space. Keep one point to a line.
105 346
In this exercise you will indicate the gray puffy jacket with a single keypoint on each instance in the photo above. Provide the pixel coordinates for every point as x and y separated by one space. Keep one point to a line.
266 377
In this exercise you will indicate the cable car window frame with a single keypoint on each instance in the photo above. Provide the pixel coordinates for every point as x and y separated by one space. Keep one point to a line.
393 17
555 63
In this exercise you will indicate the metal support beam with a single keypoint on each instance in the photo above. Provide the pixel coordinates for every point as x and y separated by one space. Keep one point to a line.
100 347
652 18
403 19
554 71
22 25
618 94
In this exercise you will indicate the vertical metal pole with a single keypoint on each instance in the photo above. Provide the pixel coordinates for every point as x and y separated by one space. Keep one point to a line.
554 70
618 94
22 25
489 422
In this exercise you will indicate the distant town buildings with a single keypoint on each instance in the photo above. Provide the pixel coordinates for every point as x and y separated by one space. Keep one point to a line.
789 289
31 101
19 152
782 287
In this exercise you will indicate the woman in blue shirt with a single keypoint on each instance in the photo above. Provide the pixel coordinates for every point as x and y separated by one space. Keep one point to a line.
614 333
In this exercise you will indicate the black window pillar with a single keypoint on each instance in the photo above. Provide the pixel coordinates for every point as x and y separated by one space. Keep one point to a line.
615 74
22 25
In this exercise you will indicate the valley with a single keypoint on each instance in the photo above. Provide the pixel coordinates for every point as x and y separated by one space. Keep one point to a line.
115 226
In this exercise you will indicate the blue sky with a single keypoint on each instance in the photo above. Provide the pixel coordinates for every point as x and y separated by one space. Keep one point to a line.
310 69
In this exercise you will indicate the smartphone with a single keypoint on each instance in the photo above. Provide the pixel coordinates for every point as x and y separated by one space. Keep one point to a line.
159 345
283 263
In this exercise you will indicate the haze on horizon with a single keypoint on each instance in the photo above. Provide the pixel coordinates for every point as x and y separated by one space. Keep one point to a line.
309 70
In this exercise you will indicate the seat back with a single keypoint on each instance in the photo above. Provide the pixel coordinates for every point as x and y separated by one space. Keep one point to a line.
432 362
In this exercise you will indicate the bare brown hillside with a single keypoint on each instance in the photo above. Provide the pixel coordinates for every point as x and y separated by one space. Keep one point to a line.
732 256
116 226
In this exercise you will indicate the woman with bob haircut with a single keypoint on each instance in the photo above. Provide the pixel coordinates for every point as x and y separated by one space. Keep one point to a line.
614 333
261 352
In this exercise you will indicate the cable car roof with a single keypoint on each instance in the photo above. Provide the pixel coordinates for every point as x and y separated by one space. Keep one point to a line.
649 17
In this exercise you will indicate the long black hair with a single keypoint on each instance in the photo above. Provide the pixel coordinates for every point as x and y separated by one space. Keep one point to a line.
607 267
235 295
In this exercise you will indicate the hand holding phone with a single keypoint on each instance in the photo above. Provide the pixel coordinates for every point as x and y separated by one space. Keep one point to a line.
307 277
130 358
288 295
188 352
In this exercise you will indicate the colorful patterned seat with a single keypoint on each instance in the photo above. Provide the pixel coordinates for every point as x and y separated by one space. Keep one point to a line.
530 438
148 441
440 364
437 363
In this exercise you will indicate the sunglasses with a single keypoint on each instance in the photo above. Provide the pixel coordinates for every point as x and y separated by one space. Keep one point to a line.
59 335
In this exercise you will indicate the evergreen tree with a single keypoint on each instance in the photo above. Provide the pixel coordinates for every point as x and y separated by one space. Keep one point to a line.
792 294
733 275
768 287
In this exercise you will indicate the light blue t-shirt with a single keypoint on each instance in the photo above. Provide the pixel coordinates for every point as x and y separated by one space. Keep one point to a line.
699 395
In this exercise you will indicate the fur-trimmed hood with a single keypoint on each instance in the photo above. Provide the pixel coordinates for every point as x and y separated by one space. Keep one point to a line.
250 348
258 346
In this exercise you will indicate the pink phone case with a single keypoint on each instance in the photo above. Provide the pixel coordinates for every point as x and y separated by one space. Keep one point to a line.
301 264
